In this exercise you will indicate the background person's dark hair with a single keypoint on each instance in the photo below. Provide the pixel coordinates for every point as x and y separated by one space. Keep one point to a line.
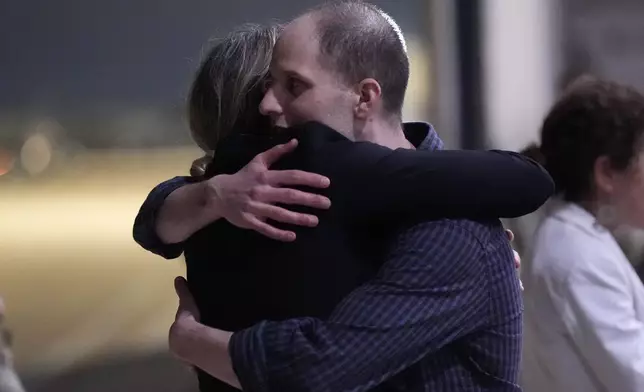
359 41
592 118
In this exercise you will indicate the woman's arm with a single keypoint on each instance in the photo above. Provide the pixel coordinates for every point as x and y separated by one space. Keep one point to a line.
416 184
186 211
177 208
153 215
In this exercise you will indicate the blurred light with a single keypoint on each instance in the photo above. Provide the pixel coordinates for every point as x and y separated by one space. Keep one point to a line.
36 154
6 162
417 96
48 126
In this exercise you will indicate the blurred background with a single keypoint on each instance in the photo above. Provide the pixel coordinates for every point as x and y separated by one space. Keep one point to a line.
92 117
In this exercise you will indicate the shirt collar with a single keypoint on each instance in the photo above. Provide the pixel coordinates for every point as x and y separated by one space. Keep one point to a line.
422 135
575 214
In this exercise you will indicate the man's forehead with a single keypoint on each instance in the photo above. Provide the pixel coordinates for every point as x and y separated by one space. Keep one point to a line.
300 31
296 45
305 24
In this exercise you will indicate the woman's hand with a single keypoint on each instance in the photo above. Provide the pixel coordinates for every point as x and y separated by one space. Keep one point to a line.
247 198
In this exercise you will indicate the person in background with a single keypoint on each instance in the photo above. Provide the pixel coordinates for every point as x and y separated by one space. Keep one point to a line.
9 380
584 303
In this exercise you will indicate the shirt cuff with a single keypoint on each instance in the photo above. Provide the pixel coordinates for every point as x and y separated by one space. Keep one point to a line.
248 357
145 233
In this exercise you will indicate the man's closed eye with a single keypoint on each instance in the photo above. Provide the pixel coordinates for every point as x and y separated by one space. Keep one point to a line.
295 86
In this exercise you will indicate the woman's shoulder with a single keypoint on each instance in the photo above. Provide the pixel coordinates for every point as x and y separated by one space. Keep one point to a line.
568 222
569 239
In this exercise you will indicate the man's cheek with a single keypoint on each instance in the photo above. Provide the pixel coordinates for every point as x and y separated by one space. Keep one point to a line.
288 119
295 117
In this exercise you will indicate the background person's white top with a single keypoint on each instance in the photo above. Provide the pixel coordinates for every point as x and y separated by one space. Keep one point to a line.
584 309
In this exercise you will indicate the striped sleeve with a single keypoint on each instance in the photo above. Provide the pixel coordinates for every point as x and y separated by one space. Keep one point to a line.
427 295
144 230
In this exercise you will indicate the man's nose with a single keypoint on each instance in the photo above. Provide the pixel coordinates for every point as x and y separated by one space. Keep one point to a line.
269 105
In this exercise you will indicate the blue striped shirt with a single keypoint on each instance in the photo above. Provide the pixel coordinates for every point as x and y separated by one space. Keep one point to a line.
444 313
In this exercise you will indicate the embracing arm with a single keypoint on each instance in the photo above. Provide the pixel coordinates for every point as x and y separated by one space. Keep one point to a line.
411 309
187 210
179 207
154 213
450 184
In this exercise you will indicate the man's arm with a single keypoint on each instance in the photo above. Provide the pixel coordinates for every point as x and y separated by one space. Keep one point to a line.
428 294
194 342
420 301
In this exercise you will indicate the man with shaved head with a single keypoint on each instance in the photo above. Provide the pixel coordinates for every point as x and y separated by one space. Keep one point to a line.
444 311
343 64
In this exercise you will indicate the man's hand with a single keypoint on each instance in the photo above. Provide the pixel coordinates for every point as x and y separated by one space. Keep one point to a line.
199 345
247 198
187 306
517 256
186 319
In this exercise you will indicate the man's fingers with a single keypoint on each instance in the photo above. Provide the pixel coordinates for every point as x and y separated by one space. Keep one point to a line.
510 235
187 304
517 259
297 177
269 231
267 211
272 155
183 292
181 287
296 197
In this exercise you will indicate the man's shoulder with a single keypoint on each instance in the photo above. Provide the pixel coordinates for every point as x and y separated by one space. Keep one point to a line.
448 250
423 136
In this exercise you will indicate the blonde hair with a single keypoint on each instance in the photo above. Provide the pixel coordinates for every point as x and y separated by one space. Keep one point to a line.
228 87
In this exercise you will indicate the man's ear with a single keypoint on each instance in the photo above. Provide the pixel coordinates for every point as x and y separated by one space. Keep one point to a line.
369 98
